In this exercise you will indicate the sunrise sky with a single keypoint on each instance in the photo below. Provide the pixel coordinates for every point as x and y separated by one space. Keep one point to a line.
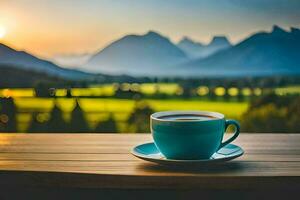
51 27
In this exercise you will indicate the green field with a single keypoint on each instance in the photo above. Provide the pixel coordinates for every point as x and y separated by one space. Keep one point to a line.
125 105
99 109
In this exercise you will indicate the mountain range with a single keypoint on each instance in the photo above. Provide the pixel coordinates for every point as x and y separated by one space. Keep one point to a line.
24 60
262 54
198 50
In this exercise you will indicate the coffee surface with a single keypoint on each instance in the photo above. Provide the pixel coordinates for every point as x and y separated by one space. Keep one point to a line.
187 117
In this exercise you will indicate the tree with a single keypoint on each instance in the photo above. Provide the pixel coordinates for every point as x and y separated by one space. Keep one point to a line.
78 122
240 95
226 95
272 113
211 93
42 89
56 123
187 89
69 93
107 126
267 118
294 116
139 120
8 122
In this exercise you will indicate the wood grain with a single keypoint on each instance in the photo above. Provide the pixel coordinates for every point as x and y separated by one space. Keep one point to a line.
104 161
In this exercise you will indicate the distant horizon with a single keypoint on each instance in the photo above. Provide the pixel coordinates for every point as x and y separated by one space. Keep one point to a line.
67 60
287 29
54 28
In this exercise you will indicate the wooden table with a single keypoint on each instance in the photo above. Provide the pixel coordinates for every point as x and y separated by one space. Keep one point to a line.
102 162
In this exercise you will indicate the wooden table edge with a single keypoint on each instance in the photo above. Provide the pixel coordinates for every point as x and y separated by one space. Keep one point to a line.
103 181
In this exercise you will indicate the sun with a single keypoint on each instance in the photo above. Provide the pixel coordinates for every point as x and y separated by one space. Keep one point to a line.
2 31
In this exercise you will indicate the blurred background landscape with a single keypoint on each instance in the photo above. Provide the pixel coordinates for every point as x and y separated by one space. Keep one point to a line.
105 66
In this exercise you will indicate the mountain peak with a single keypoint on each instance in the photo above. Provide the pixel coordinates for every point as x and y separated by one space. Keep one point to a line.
152 33
187 40
295 30
219 40
278 30
133 54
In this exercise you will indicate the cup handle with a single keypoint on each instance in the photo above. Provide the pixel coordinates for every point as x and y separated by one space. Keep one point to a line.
235 134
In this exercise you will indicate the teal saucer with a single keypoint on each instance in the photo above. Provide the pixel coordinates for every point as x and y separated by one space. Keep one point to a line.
149 152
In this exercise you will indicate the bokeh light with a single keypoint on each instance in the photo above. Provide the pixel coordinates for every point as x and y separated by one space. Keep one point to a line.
220 91
202 91
233 91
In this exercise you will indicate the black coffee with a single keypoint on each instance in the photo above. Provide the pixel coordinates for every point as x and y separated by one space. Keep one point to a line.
187 117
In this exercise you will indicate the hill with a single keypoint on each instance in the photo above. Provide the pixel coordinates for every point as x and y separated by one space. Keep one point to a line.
262 54
15 77
24 60
146 54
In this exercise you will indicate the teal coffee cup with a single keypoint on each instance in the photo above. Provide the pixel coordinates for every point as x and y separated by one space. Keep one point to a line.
190 135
